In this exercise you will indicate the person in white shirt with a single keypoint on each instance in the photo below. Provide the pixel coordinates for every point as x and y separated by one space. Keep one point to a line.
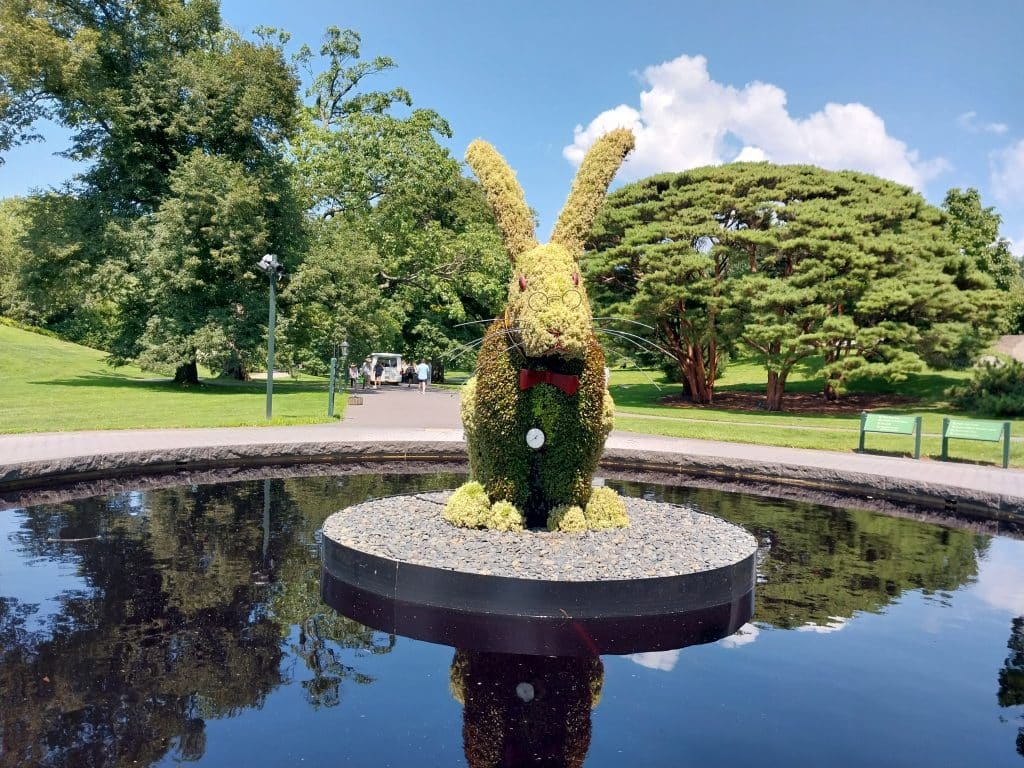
423 375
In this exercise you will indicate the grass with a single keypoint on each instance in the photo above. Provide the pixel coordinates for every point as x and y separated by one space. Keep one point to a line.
50 385
637 394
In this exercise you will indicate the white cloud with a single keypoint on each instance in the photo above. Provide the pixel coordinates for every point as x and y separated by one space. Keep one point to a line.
686 119
745 635
1001 577
1008 174
834 624
969 122
664 661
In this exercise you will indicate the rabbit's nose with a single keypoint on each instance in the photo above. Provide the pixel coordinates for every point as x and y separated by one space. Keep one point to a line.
556 332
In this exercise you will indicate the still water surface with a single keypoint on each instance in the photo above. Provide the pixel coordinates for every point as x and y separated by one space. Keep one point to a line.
185 625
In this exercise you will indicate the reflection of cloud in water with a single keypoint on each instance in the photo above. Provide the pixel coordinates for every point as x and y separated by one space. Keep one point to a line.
834 624
662 660
1000 581
744 636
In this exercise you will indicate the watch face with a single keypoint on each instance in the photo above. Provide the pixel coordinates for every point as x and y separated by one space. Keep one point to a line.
535 438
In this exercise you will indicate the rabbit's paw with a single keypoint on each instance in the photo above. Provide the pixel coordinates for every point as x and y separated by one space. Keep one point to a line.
566 518
469 507
606 509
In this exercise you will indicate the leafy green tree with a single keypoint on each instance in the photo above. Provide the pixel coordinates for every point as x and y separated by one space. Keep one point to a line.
12 255
335 296
975 233
147 87
403 245
790 263
206 302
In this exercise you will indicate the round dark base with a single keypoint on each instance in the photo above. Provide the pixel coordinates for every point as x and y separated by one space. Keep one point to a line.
489 591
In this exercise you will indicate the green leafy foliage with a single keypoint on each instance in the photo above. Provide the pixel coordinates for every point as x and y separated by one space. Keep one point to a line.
995 389
974 231
788 262
470 507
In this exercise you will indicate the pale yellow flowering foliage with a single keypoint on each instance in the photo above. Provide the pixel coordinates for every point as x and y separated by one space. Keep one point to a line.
504 195
567 519
606 510
588 190
551 313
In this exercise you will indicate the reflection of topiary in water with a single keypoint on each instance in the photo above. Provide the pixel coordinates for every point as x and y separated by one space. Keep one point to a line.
469 507
540 367
525 710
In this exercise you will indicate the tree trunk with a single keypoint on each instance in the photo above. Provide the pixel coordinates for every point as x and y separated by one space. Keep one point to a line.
830 393
698 380
187 374
233 369
776 389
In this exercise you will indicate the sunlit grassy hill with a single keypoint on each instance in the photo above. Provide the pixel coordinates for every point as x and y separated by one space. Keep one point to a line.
51 385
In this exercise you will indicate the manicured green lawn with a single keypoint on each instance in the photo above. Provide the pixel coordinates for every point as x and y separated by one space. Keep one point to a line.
637 394
50 385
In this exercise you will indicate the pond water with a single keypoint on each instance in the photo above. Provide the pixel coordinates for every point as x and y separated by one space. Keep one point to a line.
185 625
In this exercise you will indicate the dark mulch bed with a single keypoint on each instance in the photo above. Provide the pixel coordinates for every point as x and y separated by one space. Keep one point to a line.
798 402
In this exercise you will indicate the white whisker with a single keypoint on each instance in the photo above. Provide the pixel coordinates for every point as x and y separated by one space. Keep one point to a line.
626 320
636 340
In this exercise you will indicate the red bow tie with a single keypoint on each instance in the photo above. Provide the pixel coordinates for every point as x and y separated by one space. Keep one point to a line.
564 381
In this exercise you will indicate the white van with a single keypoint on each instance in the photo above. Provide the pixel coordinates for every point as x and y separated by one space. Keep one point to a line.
392 366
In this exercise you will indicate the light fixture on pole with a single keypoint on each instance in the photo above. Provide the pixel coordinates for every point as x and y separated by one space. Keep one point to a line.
344 357
274 270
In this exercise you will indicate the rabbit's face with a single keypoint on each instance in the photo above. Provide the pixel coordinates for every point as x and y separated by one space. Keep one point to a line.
547 303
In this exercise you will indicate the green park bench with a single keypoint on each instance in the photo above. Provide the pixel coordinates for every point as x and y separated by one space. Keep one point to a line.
976 429
892 425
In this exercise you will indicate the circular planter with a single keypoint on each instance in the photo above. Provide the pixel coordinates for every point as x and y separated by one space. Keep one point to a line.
675 577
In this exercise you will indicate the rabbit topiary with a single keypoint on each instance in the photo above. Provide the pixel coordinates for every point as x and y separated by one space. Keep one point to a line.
537 412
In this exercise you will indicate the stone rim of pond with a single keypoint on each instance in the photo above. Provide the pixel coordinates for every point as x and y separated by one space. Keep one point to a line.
675 577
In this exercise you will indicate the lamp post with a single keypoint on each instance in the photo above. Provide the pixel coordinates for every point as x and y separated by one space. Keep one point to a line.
334 370
344 358
274 270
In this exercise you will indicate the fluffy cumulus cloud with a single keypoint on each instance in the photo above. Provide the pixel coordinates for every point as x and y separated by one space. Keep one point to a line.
685 120
1008 175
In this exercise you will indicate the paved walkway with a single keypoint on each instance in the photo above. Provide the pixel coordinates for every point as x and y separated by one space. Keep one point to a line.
399 419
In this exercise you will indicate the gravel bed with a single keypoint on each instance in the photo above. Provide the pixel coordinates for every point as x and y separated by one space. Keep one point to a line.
662 540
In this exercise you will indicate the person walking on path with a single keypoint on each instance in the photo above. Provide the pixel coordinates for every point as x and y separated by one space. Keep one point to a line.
367 374
423 375
378 371
353 374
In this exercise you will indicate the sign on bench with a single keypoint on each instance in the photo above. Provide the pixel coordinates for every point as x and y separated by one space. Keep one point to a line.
892 425
975 429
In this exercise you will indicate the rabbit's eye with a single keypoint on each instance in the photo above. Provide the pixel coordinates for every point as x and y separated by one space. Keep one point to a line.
522 282
576 279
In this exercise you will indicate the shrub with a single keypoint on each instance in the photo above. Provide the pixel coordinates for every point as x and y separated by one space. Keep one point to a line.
469 507
504 517
566 518
994 390
606 510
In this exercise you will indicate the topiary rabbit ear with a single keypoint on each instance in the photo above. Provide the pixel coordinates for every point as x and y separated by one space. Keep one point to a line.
588 190
505 197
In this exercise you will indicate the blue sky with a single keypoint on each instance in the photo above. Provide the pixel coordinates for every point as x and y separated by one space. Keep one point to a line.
925 93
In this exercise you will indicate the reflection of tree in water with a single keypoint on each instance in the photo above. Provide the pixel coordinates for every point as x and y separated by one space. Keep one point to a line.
525 710
819 563
174 625
1011 676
